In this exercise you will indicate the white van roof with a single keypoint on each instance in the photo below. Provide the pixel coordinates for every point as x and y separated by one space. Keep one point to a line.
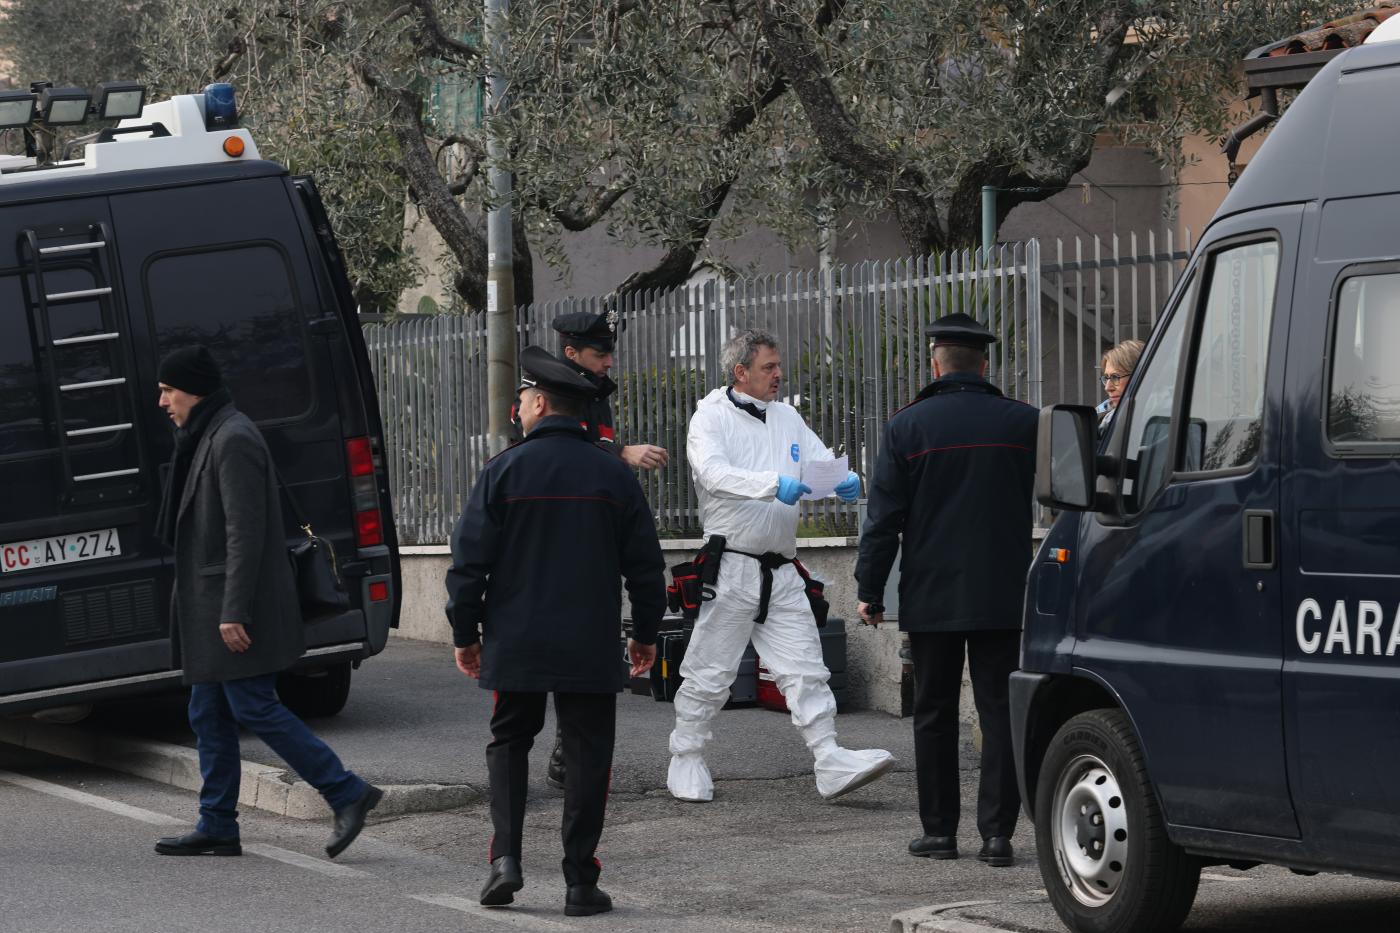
188 143
1387 31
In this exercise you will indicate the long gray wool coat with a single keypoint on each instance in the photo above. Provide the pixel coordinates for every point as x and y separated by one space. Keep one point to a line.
231 560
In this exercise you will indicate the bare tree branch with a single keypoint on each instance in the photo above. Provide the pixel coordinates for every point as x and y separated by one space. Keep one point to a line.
572 218
438 41
458 232
838 134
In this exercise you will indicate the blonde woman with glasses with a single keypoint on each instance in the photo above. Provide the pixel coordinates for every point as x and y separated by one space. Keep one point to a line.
1118 365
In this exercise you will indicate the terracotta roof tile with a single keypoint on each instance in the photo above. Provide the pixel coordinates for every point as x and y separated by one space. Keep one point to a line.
1343 33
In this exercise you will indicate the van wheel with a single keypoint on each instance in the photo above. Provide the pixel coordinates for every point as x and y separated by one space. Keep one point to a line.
312 694
1100 837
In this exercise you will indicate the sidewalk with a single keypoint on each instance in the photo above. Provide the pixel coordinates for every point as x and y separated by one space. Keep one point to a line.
414 720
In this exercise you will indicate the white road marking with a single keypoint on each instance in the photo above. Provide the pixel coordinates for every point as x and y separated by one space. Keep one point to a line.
287 856
1211 876
90 800
499 914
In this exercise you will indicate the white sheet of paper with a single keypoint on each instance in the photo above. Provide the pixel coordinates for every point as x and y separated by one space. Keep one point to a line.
824 476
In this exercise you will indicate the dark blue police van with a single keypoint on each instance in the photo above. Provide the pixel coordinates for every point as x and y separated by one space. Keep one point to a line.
170 231
1211 660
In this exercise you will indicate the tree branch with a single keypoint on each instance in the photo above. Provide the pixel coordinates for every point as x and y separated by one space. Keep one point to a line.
839 136
675 267
438 41
236 50
435 196
571 218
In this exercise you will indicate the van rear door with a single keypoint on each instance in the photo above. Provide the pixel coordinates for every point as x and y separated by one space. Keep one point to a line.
83 587
224 264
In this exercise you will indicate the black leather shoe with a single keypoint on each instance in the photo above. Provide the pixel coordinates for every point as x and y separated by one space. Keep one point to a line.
585 900
504 881
198 843
554 774
996 851
350 820
934 847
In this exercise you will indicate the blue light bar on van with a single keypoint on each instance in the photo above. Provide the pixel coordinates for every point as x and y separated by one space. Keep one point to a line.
220 108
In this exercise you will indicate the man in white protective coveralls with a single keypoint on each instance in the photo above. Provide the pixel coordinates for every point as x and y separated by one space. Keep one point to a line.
746 452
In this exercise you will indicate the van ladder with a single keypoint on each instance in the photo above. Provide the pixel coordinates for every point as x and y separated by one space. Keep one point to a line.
87 486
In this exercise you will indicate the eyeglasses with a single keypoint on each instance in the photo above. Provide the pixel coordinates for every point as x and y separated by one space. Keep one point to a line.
1115 379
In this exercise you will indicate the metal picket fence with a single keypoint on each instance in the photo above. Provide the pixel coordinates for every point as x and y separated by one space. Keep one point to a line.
853 353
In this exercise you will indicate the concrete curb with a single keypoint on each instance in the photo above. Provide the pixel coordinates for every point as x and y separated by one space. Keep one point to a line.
263 787
932 919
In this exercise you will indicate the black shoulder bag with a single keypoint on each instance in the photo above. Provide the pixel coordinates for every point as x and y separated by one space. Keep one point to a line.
320 590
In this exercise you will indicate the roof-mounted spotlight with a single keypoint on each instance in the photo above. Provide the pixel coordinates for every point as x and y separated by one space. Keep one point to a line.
117 100
16 109
63 106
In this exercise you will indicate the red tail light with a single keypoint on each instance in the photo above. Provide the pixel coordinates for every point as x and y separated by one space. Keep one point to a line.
368 531
378 591
364 493
359 457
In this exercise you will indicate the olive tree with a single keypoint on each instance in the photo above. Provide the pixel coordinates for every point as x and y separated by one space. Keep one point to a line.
656 116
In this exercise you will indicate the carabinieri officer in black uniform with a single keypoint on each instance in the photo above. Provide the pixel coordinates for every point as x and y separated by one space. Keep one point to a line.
955 479
535 608
587 341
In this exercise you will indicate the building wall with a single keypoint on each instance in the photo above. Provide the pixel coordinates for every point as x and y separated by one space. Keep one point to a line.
1124 193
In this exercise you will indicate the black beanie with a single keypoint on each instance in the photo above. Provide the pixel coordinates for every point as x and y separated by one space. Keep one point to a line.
192 370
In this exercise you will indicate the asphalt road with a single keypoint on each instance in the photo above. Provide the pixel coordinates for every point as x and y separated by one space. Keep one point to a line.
767 856
413 718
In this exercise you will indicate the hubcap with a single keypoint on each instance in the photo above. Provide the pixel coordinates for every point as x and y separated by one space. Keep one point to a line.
1090 830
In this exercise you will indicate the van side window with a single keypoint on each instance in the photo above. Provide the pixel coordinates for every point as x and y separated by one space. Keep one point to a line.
1364 402
22 427
1148 449
239 302
1226 404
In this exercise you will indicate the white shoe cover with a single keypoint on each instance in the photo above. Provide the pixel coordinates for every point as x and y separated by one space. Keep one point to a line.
688 778
842 770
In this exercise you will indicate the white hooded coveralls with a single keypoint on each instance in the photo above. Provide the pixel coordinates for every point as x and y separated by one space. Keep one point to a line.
736 460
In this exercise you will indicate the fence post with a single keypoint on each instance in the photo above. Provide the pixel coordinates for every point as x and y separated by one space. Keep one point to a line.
1034 346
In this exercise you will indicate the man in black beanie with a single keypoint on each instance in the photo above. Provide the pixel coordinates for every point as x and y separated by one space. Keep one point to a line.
237 621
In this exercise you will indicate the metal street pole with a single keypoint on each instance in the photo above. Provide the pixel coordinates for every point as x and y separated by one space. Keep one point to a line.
501 361
989 218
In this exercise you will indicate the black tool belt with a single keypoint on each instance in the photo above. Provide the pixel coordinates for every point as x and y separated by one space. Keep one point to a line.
769 562
693 582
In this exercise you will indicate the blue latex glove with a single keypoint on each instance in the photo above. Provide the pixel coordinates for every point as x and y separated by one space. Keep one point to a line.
791 489
849 488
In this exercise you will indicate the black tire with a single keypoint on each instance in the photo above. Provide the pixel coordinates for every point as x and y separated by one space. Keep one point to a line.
313 694
1100 837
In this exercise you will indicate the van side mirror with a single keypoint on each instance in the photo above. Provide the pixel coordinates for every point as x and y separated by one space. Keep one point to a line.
1065 468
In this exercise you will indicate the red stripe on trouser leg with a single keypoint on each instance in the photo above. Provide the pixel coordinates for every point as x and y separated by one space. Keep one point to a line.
495 701
491 849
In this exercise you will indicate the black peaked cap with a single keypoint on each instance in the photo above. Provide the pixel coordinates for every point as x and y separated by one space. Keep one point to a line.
539 369
596 330
959 330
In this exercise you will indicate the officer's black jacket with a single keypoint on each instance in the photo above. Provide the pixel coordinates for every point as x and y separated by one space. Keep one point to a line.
598 421
551 526
955 477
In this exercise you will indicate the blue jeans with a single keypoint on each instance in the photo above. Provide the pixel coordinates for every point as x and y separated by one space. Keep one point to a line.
216 712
